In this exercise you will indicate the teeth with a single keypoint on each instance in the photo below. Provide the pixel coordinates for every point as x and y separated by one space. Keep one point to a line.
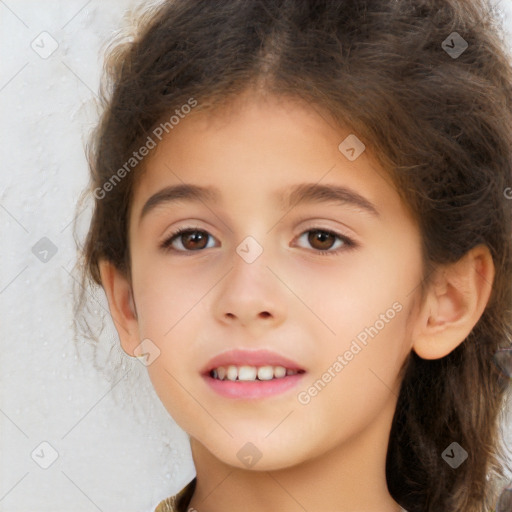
251 373
232 373
265 373
247 373
279 372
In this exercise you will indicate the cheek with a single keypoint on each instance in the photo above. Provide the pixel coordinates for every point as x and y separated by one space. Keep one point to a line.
353 297
367 347
171 387
166 295
365 305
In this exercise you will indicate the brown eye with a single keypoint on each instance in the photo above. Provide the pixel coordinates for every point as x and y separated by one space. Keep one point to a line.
194 240
187 240
321 240
327 242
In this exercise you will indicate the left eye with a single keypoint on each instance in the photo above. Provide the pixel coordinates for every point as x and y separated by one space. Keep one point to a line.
323 240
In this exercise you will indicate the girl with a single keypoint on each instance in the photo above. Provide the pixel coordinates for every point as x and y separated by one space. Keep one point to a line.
302 226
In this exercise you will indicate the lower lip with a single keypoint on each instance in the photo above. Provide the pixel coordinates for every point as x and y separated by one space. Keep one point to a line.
253 389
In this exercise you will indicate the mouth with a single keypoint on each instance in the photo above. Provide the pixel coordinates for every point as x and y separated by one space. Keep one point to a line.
247 374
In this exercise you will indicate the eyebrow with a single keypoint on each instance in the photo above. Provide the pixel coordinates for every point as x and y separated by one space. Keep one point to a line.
298 194
183 192
316 193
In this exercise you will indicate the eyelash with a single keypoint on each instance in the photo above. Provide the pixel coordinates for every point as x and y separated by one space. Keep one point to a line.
348 243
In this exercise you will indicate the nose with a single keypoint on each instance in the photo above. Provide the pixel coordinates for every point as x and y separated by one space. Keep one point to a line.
250 295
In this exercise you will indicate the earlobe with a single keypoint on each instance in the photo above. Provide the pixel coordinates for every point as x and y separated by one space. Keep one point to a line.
121 305
455 300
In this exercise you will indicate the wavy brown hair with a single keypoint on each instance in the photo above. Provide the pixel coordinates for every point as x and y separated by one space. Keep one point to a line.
439 124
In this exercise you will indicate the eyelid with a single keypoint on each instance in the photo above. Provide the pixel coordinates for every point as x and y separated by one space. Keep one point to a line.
186 224
327 224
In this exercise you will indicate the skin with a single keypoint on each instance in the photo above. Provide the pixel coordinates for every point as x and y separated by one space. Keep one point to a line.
328 454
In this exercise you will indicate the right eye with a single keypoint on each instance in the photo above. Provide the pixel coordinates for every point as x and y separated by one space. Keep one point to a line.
187 240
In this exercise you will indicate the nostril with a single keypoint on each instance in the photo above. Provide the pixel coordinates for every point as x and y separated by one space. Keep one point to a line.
265 314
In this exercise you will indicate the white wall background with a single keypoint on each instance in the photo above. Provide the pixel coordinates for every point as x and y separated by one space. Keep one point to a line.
117 447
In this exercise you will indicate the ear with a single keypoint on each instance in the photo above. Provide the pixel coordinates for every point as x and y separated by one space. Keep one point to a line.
453 304
121 305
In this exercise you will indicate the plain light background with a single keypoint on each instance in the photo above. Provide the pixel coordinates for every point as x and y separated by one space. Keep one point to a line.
109 444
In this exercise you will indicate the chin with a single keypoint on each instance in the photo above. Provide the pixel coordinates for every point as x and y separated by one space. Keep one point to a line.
257 456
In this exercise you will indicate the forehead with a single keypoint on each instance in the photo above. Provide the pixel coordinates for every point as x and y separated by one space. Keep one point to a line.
260 149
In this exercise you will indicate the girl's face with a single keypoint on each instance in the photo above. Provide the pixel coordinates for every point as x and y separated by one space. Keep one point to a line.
300 248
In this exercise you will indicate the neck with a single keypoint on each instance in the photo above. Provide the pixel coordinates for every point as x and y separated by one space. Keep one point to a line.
349 478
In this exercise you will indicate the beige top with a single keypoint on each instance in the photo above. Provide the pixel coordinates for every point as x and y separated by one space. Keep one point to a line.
179 502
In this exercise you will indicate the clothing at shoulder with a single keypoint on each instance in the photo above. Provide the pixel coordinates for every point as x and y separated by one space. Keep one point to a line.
167 505
179 502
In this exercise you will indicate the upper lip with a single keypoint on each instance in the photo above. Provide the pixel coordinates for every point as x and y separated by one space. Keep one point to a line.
250 358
